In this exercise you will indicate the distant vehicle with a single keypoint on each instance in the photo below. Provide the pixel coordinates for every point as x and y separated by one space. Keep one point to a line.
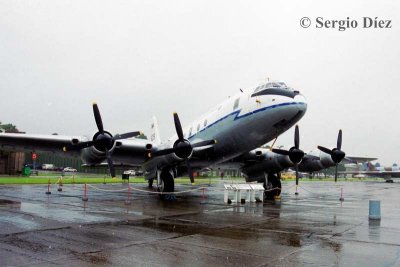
49 167
32 166
130 172
139 173
69 169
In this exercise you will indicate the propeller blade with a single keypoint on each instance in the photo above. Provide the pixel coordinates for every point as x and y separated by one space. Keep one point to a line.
126 135
296 137
163 152
98 119
204 143
190 172
178 127
78 146
297 174
280 151
339 140
326 150
336 172
110 164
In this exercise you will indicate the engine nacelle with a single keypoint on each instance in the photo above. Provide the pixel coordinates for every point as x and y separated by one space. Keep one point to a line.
313 164
269 162
92 156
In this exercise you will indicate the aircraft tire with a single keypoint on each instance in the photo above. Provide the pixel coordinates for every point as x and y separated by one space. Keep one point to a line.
273 182
168 185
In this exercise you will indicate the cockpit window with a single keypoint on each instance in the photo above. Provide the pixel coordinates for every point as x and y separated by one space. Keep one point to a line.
282 84
270 85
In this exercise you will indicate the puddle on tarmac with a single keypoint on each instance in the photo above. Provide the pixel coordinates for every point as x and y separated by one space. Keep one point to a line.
193 228
19 221
289 239
166 226
9 203
62 215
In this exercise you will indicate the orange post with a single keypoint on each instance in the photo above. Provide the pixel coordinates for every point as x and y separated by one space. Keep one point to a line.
85 198
60 184
128 201
341 194
202 199
48 187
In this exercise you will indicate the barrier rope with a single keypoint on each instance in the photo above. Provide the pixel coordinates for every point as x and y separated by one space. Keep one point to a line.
317 194
106 190
168 193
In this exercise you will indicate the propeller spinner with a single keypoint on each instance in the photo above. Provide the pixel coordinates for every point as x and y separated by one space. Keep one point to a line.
337 154
102 140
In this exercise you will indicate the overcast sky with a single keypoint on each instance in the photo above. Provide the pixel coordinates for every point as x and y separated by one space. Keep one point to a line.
144 58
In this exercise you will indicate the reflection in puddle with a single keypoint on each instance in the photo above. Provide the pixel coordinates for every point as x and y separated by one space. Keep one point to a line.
374 229
59 214
10 203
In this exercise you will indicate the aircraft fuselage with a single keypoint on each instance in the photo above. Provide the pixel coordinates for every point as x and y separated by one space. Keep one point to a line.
240 124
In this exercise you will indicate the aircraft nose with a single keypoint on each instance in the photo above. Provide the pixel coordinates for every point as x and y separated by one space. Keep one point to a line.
299 98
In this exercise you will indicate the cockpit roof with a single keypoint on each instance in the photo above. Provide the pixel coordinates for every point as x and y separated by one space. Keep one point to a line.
278 84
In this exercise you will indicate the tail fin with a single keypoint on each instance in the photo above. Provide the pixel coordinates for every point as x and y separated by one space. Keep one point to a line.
364 166
155 133
371 167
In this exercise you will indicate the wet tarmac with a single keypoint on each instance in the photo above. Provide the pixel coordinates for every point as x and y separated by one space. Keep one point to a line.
311 229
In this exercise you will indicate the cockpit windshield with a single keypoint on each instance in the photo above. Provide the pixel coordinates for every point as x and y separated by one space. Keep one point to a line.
280 85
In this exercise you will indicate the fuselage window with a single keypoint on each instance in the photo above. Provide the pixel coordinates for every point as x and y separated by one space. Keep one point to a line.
205 123
236 104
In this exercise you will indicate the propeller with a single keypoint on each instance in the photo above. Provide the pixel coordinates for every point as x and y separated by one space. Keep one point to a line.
337 154
182 147
295 153
102 140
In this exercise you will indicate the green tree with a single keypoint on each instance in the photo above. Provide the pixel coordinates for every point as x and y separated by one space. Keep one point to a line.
9 128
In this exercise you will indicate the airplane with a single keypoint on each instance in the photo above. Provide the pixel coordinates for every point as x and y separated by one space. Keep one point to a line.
231 133
368 169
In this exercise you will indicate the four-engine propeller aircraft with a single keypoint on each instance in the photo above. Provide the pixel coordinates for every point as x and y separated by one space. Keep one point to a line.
368 169
229 134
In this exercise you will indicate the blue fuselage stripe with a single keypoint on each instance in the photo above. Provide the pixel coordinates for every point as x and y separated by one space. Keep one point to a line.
237 112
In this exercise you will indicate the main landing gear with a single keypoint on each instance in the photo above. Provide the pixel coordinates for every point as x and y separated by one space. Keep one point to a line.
166 185
272 183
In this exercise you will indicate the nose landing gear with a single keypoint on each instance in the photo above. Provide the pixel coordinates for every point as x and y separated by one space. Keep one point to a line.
272 183
166 184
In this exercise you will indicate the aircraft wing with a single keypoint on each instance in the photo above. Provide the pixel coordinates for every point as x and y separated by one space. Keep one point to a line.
372 173
358 159
39 143
126 151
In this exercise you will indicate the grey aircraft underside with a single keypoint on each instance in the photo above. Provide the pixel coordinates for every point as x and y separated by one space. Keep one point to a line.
229 134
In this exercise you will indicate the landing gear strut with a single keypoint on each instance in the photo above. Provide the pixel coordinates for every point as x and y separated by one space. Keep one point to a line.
150 182
272 181
166 185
